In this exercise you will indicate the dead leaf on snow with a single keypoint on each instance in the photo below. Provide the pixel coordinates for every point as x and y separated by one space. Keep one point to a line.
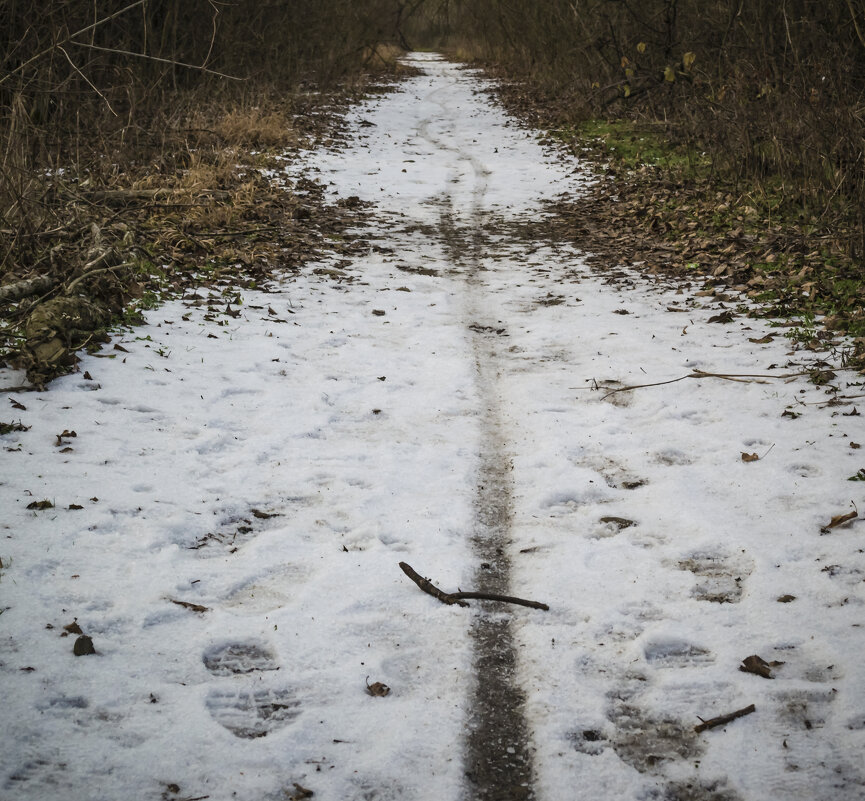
750 457
72 628
65 435
300 792
840 520
723 317
8 428
263 515
619 522
83 646
377 689
761 340
758 666
46 504
15 405
785 599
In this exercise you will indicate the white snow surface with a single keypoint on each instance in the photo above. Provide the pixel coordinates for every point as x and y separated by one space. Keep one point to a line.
360 433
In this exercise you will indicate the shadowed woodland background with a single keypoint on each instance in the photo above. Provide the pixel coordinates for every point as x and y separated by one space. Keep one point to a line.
767 93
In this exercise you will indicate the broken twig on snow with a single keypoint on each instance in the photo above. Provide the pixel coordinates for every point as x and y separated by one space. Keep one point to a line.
458 598
720 721
745 378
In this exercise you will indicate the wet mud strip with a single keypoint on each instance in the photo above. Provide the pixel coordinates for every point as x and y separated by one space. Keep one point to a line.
498 755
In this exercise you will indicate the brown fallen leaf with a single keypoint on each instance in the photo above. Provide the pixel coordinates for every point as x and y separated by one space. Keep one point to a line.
83 646
74 506
619 522
379 312
838 520
750 457
855 445
16 405
46 504
761 340
758 666
377 689
785 599
723 317
120 348
72 628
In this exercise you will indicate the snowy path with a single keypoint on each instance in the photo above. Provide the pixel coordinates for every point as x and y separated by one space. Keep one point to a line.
439 407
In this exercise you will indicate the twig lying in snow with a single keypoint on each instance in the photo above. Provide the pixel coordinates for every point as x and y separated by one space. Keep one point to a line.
745 378
193 607
458 597
720 721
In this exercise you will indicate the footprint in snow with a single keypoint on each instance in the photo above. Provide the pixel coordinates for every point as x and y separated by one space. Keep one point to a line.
720 577
239 657
248 713
253 713
668 652
804 709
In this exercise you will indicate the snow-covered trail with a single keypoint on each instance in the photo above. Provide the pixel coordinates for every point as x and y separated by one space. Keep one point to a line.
443 406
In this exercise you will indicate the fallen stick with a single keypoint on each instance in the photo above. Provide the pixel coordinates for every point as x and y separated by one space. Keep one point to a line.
743 377
23 289
458 598
720 721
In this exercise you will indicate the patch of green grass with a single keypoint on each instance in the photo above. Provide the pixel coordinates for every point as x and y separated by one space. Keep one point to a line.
634 144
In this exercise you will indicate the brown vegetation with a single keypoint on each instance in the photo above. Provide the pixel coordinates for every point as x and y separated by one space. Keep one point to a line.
735 131
131 139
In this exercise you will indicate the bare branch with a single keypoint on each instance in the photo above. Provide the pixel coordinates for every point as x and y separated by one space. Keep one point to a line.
69 38
160 60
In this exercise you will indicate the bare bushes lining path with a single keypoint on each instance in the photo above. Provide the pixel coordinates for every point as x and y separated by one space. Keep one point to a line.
226 522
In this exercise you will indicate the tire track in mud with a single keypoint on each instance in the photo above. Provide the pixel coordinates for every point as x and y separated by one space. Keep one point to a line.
498 756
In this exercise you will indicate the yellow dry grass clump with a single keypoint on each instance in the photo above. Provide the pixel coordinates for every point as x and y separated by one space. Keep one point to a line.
257 127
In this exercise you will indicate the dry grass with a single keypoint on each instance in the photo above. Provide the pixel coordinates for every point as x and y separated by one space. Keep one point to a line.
382 58
257 127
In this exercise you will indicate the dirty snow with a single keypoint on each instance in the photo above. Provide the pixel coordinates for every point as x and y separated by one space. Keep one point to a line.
275 467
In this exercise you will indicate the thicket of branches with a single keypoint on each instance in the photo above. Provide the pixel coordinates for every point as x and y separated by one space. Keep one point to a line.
121 58
90 83
772 90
